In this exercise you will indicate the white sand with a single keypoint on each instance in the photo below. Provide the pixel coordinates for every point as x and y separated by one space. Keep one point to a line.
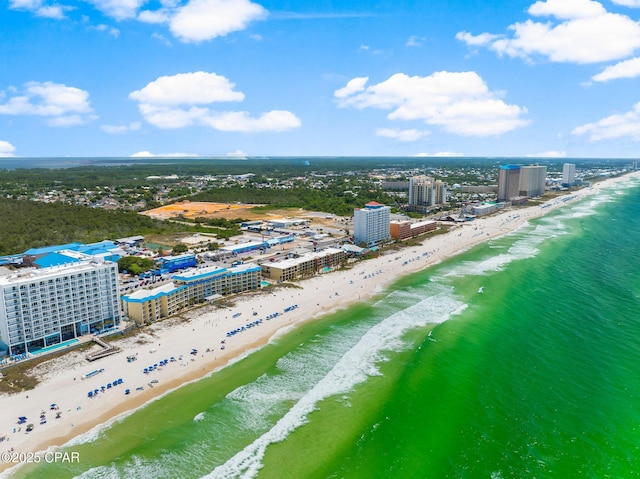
207 327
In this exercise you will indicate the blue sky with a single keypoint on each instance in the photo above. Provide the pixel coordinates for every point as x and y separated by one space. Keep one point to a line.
553 78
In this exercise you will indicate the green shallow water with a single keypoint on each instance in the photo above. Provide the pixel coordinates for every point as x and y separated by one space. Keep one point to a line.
535 377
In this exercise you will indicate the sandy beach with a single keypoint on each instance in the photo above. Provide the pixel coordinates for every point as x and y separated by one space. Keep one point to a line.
205 329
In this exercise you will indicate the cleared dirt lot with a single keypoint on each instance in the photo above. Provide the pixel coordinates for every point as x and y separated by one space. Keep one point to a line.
196 209
229 211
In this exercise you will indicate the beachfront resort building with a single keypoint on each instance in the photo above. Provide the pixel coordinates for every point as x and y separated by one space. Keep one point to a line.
43 308
532 180
401 230
371 224
425 192
508 182
195 286
568 174
306 265
521 181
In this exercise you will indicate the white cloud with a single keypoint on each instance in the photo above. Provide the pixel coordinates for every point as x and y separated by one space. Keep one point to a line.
626 69
548 154
191 21
169 118
579 31
182 100
70 120
119 9
238 154
567 9
188 88
415 41
459 102
121 129
114 32
51 11
6 149
39 8
625 125
66 106
275 120
201 20
148 154
440 154
154 16
25 4
161 38
401 135
353 86
476 40
627 3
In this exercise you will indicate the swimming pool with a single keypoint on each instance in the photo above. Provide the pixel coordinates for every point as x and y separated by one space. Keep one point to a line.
48 349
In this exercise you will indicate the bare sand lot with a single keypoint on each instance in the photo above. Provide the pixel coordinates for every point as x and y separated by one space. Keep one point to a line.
195 209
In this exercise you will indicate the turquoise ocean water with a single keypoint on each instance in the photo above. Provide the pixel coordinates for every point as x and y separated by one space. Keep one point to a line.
535 377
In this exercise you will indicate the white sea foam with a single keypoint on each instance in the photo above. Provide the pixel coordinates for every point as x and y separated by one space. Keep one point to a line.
528 239
199 417
353 368
136 467
297 372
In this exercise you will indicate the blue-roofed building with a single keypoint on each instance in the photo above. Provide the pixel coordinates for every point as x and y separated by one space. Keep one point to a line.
13 259
52 249
280 240
31 255
146 306
169 264
245 247
55 259
107 250
103 250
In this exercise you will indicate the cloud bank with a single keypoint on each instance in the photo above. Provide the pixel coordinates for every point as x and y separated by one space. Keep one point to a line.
459 102
183 100
63 105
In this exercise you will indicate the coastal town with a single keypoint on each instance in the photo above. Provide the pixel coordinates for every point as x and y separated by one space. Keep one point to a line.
103 340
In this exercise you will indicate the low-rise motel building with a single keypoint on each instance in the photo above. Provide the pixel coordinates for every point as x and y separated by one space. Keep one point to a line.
148 305
401 230
307 265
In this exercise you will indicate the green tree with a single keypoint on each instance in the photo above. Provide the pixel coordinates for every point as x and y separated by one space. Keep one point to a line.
180 248
135 264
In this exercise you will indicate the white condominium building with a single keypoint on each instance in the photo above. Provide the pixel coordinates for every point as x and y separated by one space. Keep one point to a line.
371 224
424 191
568 174
532 180
40 308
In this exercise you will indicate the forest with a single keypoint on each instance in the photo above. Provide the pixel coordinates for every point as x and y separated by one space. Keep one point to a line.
29 224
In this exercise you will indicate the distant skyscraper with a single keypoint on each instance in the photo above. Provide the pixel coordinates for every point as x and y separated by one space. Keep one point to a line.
371 224
532 180
568 174
424 191
508 182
